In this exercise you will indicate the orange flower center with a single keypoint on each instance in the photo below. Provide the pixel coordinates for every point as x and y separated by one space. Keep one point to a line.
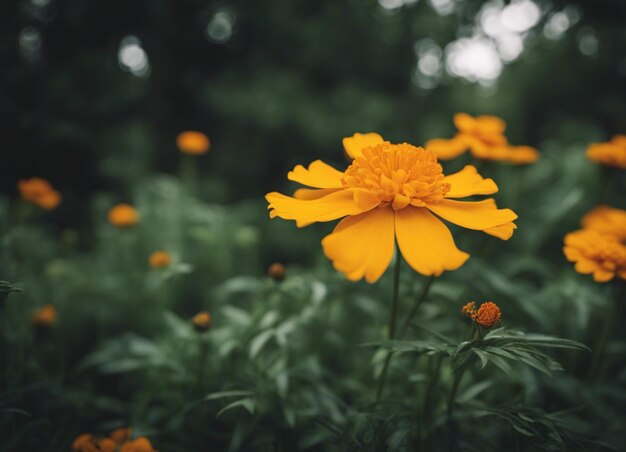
396 174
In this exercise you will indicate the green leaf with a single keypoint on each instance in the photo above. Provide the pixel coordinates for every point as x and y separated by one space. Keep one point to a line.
248 404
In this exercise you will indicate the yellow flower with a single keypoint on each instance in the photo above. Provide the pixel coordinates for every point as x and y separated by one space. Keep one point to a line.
141 444
193 143
487 315
39 191
123 216
391 192
46 316
202 321
484 137
595 253
276 271
606 220
610 153
160 259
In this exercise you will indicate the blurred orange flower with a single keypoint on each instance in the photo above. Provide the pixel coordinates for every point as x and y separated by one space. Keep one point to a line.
160 259
469 309
610 153
202 321
193 143
118 440
123 216
45 316
484 137
120 435
391 192
276 271
39 192
487 315
141 444
85 442
595 253
606 220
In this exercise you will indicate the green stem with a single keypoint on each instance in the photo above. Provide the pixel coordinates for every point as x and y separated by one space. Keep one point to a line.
201 364
392 322
605 332
455 387
416 305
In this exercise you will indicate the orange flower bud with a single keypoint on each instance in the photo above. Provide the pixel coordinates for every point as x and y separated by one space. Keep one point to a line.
276 271
120 435
469 309
202 321
487 315
123 216
85 442
44 317
160 259
107 445
38 191
193 143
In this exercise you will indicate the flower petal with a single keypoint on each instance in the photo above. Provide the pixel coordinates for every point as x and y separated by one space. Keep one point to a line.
479 215
426 243
468 182
362 245
447 149
318 175
306 211
307 193
355 144
503 232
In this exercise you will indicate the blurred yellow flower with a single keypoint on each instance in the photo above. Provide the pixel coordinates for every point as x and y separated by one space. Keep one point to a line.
160 259
141 444
39 191
487 315
201 321
123 216
45 316
610 153
595 253
606 220
391 192
484 137
193 143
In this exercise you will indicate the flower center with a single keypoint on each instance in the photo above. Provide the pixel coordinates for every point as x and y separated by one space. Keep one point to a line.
396 174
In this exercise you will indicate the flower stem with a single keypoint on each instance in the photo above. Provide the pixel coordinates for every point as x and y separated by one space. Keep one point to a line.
416 305
455 387
605 332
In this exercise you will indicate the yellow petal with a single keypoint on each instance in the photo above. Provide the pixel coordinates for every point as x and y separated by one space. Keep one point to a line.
479 215
464 122
306 211
362 245
491 124
307 193
426 243
355 144
503 232
468 182
602 276
318 175
447 149
522 154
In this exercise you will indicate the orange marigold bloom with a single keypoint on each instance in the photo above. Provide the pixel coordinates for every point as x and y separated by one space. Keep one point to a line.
610 153
595 253
45 316
107 445
391 192
85 442
202 321
141 444
487 315
484 137
606 220
160 259
276 271
123 216
120 435
469 309
193 143
39 191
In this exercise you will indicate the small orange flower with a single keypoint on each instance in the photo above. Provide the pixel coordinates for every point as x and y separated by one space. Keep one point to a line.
610 153
107 445
160 259
120 435
606 220
45 317
202 321
487 315
193 143
276 271
38 191
123 216
141 444
85 442
595 253
469 309
484 137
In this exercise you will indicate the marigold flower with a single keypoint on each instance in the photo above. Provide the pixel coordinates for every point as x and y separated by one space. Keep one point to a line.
606 220
469 309
484 137
487 315
120 435
45 316
595 253
123 216
85 442
107 445
193 143
202 321
391 192
141 444
38 191
276 271
160 259
610 153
